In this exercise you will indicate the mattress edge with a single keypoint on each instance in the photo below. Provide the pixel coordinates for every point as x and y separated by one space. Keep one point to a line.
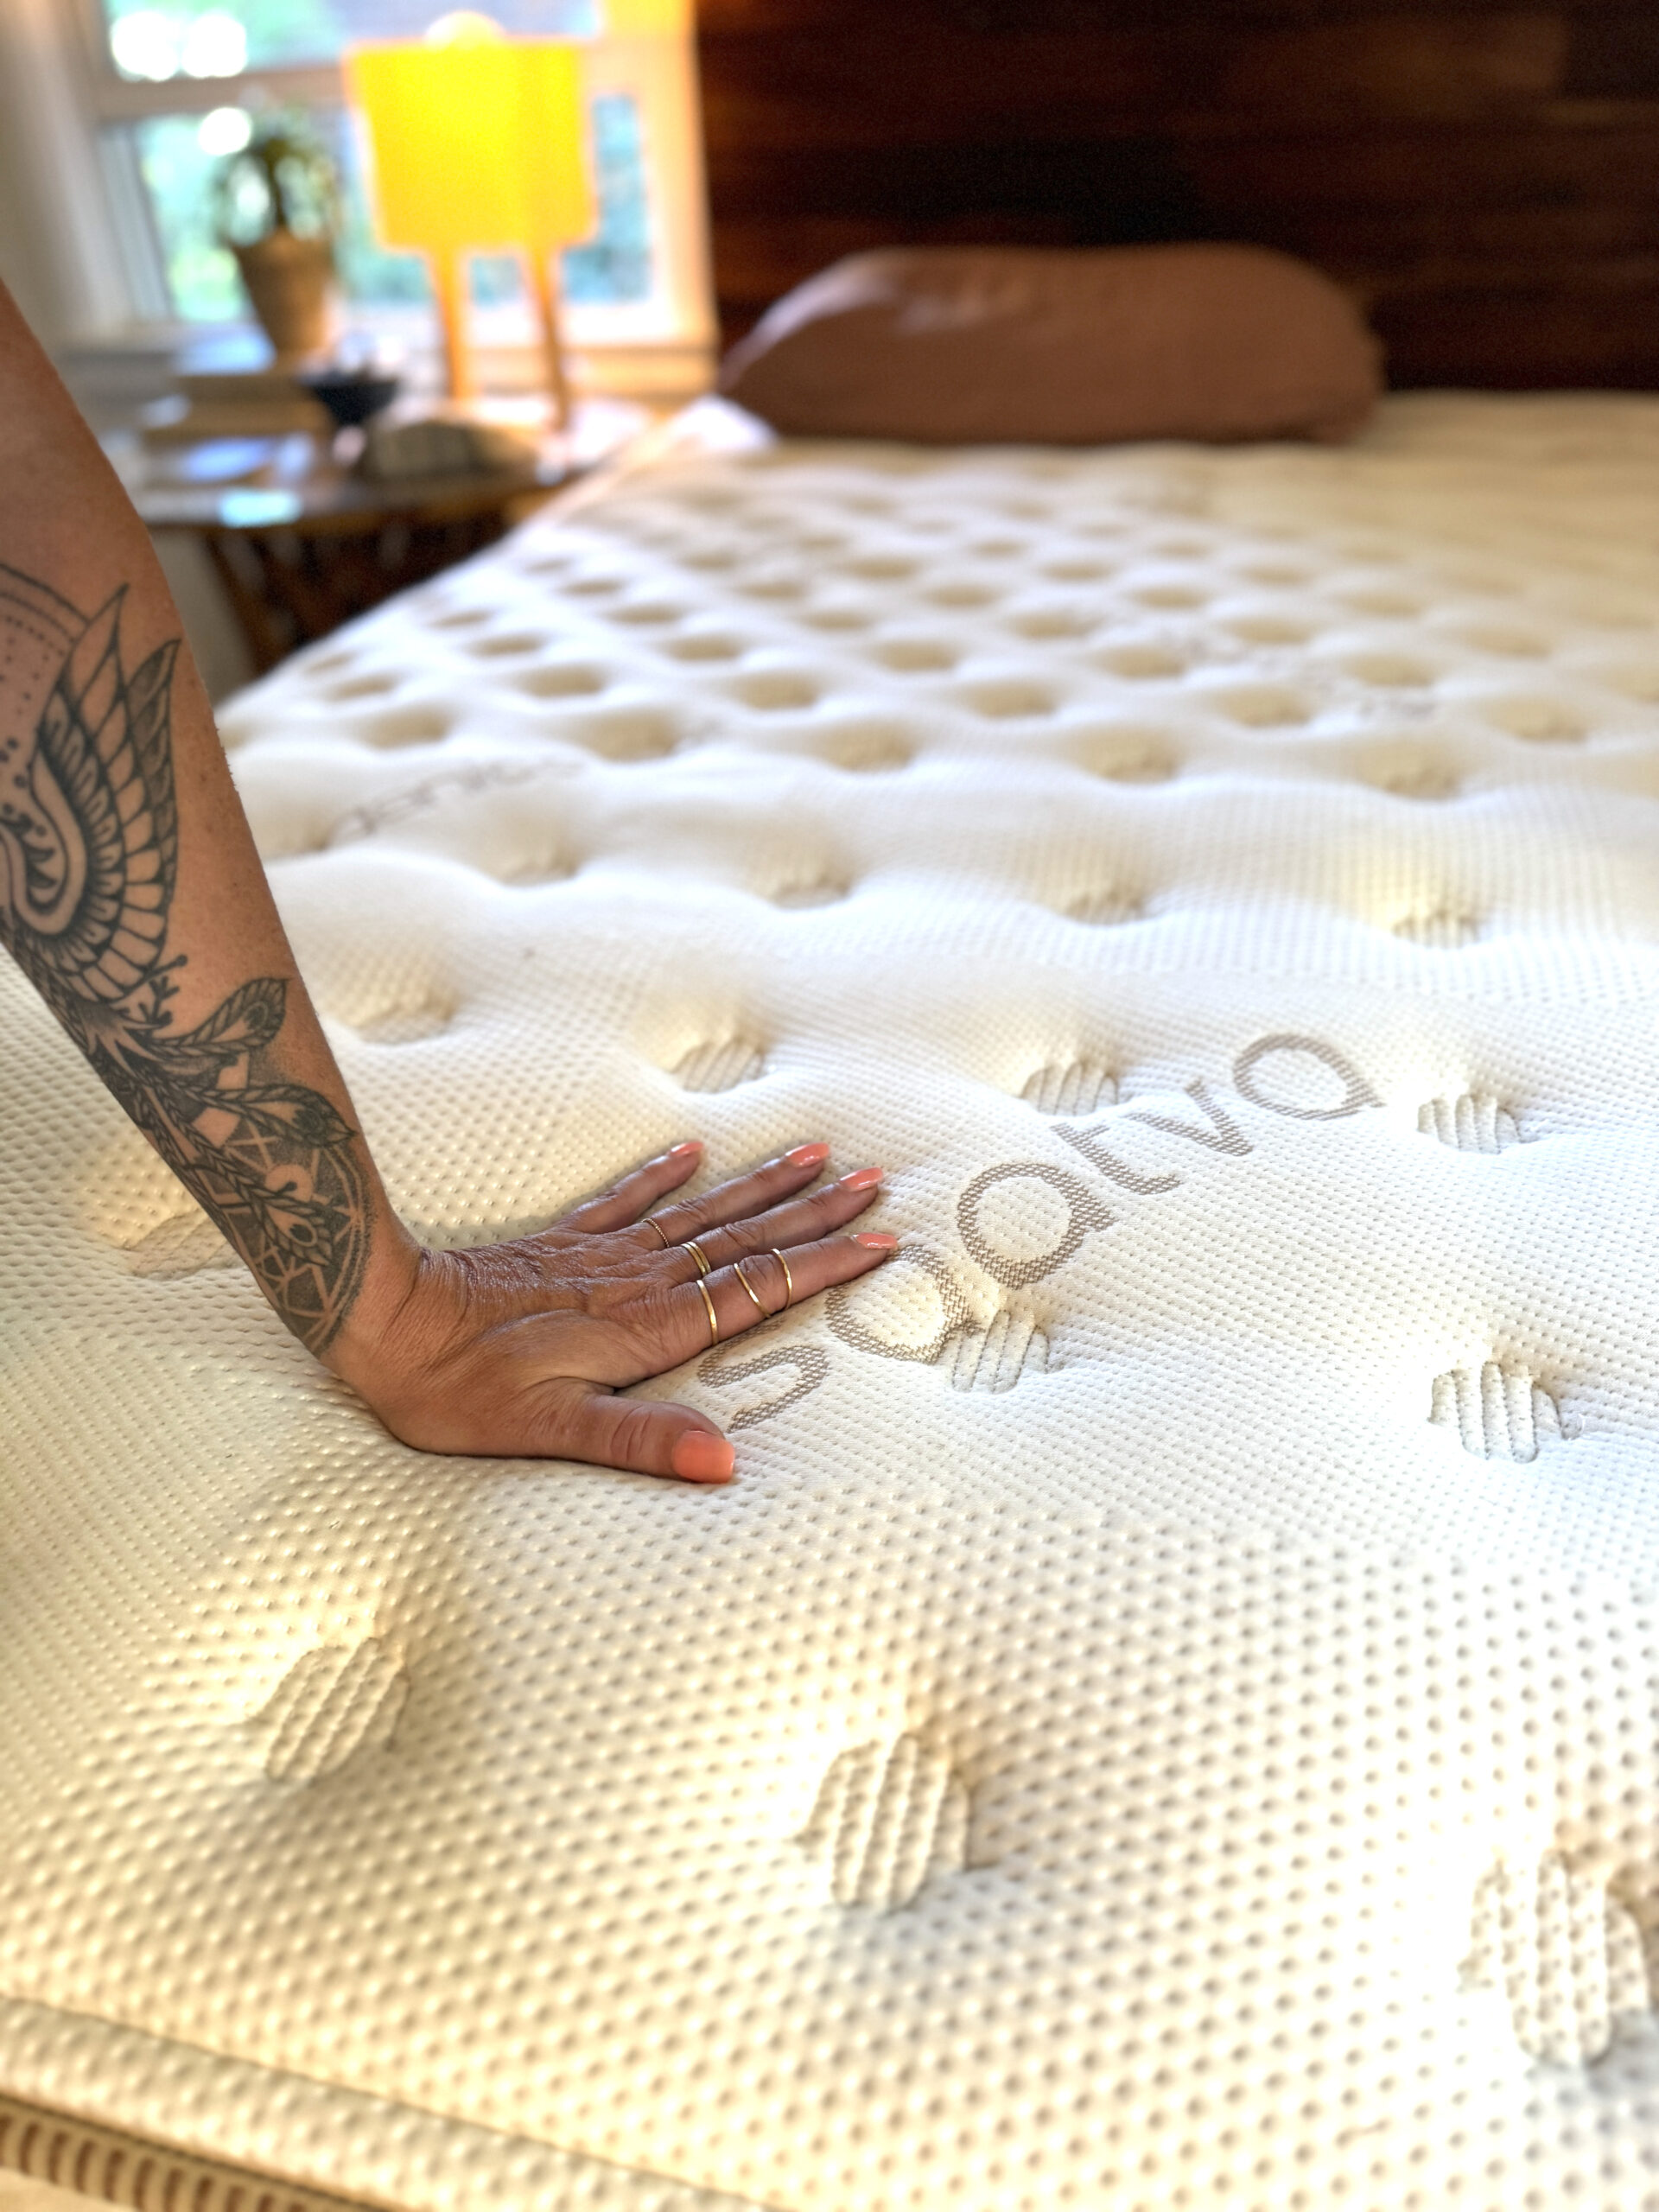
70 2083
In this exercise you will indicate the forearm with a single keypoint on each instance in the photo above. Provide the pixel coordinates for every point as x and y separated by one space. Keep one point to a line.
131 896
130 893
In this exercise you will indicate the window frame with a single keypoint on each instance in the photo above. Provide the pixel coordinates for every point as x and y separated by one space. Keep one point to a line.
657 70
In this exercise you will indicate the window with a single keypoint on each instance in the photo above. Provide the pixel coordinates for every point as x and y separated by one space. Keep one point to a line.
178 84
158 39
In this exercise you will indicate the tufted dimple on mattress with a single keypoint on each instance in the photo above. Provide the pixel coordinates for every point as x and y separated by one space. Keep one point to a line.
1165 1712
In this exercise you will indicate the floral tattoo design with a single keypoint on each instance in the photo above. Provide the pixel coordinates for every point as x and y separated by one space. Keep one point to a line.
88 863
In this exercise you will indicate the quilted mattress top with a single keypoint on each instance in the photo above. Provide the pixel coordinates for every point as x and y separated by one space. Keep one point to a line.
1166 1712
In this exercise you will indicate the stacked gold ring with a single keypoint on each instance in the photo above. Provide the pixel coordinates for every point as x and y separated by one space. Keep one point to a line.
737 1270
789 1280
697 1253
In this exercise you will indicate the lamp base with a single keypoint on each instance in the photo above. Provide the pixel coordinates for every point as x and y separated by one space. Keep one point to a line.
448 275
544 277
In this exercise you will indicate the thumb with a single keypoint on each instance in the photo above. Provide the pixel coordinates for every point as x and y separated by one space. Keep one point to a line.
644 1436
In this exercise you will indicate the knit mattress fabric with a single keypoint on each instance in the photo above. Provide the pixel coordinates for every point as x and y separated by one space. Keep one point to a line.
1165 1714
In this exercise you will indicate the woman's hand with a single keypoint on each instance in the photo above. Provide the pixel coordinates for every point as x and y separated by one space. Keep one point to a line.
516 1349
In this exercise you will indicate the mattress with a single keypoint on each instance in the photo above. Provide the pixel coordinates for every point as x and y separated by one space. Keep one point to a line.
1165 1714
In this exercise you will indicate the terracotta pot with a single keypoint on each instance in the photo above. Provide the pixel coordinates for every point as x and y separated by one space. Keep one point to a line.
289 279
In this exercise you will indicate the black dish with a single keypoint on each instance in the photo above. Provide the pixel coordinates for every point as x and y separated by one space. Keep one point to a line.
351 397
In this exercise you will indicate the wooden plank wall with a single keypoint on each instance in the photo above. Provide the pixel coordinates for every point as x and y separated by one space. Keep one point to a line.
1487 175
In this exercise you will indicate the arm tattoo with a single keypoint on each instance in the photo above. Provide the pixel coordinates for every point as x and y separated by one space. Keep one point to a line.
88 861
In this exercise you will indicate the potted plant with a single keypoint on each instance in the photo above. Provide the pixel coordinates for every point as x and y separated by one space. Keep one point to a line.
278 203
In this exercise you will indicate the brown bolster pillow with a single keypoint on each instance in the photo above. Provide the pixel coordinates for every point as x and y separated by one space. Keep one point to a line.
971 345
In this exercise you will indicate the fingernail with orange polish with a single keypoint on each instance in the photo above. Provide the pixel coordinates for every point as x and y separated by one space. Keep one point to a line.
863 1179
680 1151
874 1241
806 1155
700 1458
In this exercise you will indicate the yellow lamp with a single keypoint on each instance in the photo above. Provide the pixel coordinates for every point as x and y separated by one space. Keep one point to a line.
477 142
648 18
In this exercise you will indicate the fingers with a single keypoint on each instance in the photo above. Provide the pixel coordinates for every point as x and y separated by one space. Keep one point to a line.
712 1310
646 1438
798 1221
744 1194
765 1193
625 1201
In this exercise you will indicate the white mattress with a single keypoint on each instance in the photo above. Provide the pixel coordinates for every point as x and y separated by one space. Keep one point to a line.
1166 1715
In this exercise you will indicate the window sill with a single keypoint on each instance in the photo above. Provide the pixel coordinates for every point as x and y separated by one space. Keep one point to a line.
115 378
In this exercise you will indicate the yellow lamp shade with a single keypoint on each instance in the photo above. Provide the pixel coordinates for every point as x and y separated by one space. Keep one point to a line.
476 143
647 18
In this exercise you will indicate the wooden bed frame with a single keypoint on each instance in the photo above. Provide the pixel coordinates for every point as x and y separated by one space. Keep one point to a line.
1487 176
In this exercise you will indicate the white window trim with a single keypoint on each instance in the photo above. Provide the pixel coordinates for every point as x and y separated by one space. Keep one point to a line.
61 249
92 272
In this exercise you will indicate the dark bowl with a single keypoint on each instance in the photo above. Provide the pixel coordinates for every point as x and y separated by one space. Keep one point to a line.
350 395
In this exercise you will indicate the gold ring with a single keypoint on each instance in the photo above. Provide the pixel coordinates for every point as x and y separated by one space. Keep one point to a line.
789 1280
651 1222
714 1325
737 1270
697 1253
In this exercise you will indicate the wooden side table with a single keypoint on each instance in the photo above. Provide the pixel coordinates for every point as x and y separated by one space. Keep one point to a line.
302 545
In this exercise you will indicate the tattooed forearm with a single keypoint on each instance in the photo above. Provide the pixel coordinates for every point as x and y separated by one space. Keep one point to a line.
88 861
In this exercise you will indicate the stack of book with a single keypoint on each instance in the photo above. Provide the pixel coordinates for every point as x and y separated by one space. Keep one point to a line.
227 387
